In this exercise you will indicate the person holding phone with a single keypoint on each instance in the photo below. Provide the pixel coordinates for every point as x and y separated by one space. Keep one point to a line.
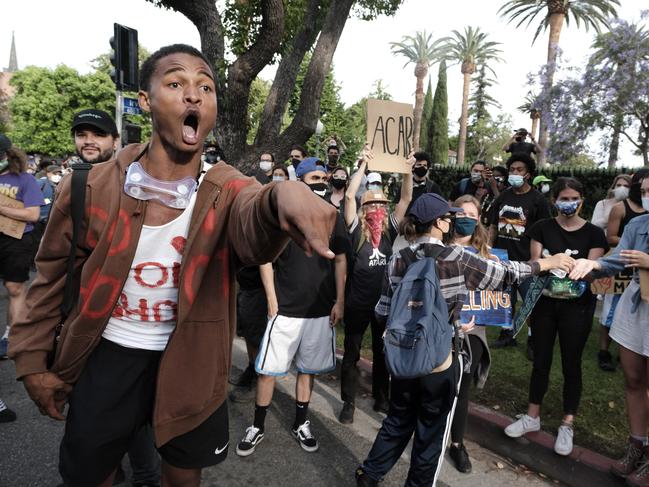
516 144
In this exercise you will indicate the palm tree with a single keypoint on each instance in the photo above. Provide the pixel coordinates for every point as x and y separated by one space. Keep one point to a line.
619 48
531 106
469 49
592 13
423 52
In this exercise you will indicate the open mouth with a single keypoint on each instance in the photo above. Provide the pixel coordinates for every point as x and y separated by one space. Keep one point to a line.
190 128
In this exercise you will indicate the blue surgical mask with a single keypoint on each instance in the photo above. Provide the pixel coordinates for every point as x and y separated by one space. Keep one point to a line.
568 208
516 180
375 187
465 226
278 178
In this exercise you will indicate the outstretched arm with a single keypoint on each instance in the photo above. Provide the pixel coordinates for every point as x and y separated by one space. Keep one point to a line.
406 191
354 184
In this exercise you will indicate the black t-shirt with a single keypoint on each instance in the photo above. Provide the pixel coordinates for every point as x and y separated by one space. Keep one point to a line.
249 278
522 147
419 188
558 240
513 213
306 286
367 267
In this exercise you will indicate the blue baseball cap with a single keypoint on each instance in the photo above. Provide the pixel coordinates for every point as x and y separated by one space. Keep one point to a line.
431 206
308 165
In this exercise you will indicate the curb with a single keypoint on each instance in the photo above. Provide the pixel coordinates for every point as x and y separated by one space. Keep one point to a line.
583 467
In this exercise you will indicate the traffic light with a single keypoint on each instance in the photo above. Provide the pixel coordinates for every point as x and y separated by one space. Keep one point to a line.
131 134
124 58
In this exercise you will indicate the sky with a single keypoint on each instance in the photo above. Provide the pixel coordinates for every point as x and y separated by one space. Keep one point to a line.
74 32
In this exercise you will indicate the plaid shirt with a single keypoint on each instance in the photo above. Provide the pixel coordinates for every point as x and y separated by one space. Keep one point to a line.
459 272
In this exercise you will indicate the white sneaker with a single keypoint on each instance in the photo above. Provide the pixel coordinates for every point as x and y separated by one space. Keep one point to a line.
525 424
563 445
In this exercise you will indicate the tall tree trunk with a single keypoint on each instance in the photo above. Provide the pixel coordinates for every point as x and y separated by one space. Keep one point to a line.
420 72
464 116
556 23
615 141
535 127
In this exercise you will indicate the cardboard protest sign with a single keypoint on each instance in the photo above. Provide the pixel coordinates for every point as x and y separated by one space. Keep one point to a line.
611 285
490 308
389 134
9 226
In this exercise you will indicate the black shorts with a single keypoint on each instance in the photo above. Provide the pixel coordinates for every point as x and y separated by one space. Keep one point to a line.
110 403
16 257
252 314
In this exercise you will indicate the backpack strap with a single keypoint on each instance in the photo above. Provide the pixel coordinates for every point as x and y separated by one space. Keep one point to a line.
77 210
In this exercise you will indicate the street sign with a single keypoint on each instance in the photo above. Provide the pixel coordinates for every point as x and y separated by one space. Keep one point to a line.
131 106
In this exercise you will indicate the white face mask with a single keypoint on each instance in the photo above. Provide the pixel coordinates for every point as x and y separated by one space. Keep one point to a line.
265 165
645 203
545 188
56 178
278 178
621 192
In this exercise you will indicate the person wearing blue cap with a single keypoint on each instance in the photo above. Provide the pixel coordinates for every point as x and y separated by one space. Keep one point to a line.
306 297
425 405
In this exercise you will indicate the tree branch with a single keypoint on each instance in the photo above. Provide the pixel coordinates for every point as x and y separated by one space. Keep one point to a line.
284 82
304 122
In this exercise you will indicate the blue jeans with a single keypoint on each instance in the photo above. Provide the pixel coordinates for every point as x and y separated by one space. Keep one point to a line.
422 406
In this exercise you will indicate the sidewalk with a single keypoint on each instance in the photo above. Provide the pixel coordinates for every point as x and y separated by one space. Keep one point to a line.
534 451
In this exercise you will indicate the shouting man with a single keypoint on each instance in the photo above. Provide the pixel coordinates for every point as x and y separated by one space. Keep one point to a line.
150 337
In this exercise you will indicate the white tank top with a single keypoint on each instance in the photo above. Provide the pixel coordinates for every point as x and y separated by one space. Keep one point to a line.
147 308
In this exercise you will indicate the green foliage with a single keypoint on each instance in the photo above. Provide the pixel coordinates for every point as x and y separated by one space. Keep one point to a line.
486 138
424 139
258 93
45 102
596 181
470 48
438 124
418 49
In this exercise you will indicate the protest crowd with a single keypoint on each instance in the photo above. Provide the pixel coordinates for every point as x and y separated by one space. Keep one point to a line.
129 272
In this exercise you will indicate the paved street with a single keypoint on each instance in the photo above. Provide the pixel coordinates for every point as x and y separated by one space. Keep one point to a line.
29 445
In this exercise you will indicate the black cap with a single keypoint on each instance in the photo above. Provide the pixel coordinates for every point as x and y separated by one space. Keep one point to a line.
95 118
5 143
431 206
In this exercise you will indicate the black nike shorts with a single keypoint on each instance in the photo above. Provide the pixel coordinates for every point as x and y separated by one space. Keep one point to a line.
111 402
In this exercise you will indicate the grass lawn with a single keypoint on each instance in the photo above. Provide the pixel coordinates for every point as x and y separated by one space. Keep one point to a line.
601 423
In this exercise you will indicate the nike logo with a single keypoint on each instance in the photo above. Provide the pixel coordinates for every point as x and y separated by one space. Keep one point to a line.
218 451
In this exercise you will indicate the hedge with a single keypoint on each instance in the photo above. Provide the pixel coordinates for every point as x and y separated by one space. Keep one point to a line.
596 181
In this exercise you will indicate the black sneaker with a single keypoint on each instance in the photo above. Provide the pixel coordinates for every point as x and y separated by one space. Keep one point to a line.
7 416
605 361
530 350
251 439
347 413
505 339
245 378
304 437
364 480
381 405
460 458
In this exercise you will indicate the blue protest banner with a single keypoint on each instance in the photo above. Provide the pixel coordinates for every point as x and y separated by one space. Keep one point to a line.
490 308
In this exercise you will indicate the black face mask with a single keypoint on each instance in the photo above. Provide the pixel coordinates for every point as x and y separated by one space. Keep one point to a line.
420 171
318 188
333 160
338 183
295 162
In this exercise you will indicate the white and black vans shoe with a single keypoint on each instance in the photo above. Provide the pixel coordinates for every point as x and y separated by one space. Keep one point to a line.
251 439
305 438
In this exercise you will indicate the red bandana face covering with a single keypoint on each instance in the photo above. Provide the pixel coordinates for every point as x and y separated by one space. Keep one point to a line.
374 219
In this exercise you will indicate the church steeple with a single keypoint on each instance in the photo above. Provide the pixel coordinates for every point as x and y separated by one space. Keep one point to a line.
13 58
